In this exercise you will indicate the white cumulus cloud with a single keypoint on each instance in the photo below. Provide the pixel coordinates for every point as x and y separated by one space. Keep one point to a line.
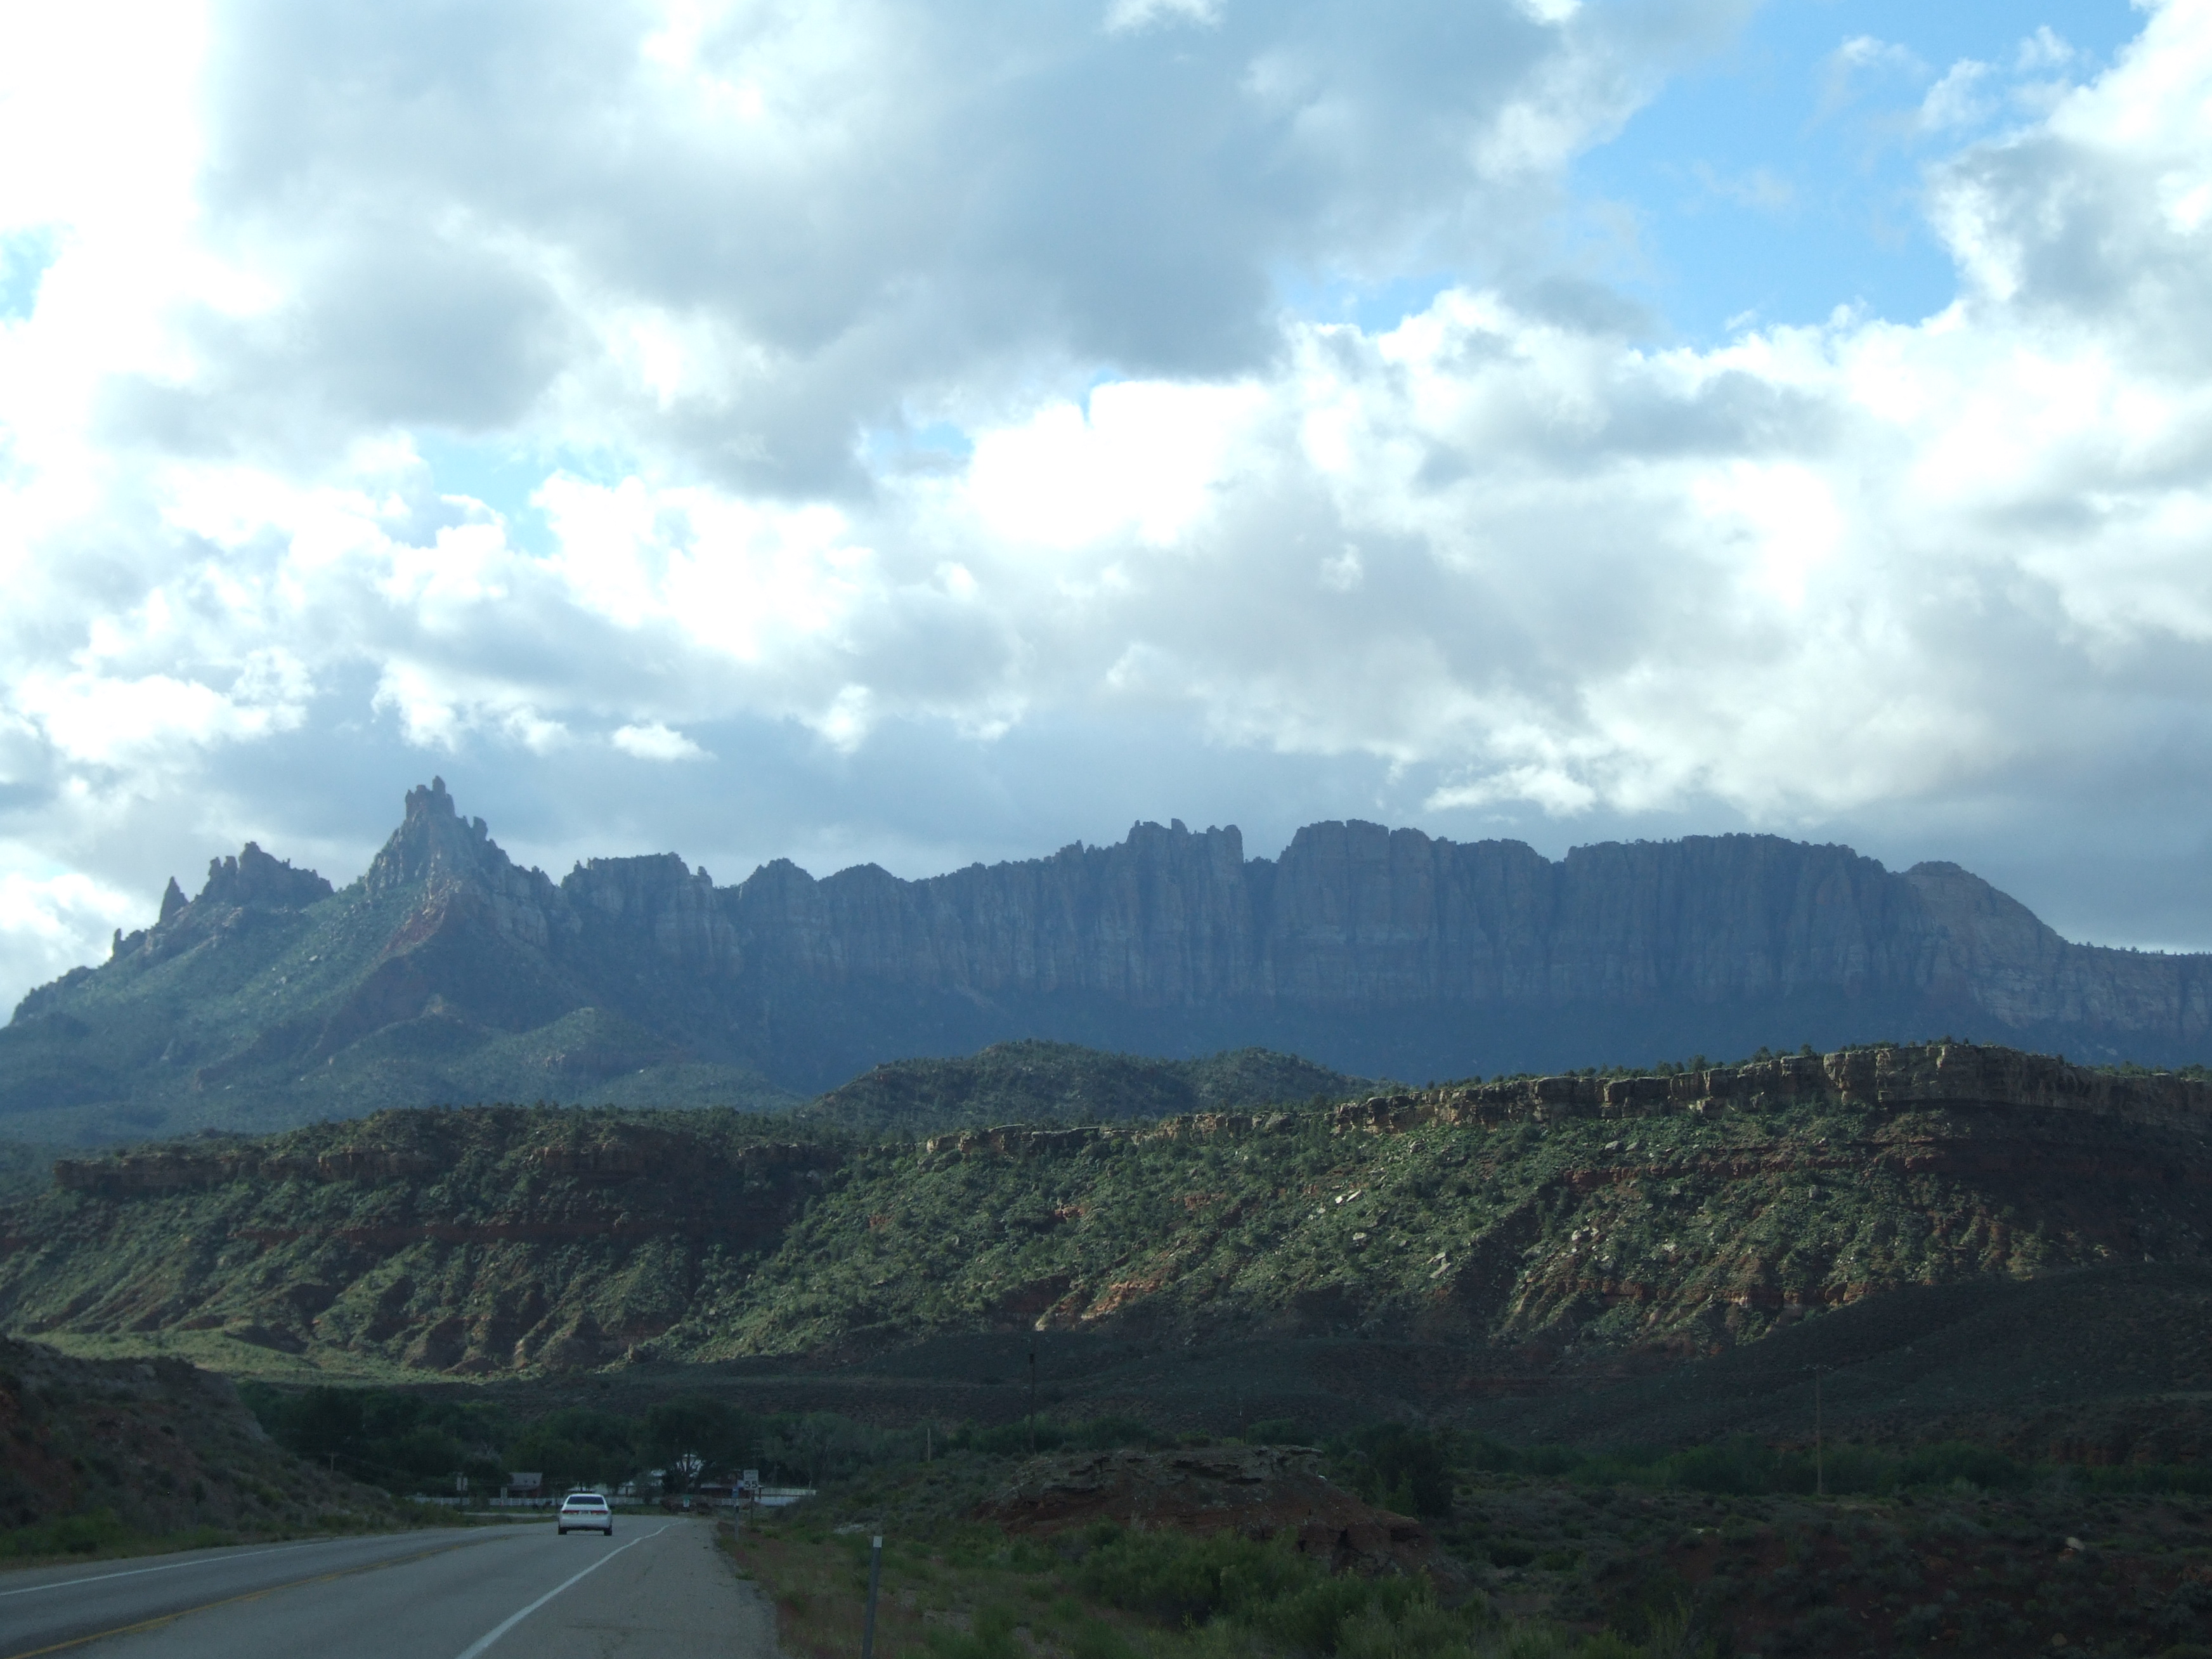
911 412
656 741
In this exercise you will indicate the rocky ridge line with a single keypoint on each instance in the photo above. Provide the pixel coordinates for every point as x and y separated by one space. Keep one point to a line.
1902 1079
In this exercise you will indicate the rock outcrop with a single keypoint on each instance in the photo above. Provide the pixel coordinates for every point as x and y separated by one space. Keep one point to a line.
1378 952
1355 918
235 891
1351 920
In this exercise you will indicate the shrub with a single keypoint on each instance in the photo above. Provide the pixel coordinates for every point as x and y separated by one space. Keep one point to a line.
992 1638
1406 1469
73 1534
1272 1591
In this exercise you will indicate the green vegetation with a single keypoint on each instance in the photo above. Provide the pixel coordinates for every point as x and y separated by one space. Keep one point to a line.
102 1459
410 1441
218 1028
502 1240
1178 1581
1744 1466
1557 1572
1045 1434
1963 1549
25 1170
1713 1226
92 1533
1035 1082
1398 1467
104 1533
973 1592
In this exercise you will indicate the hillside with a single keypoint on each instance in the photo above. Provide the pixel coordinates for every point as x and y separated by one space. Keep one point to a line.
446 974
92 1454
1035 1082
1453 1249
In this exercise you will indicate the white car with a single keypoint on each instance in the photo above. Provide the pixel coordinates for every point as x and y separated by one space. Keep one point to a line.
585 1511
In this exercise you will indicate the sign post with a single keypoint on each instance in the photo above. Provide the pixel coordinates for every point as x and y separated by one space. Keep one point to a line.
875 1579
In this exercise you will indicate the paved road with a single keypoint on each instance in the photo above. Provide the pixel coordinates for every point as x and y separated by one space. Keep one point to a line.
656 1586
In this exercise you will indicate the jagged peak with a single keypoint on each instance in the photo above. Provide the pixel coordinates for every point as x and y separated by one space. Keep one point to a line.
432 841
1146 833
430 800
173 901
252 876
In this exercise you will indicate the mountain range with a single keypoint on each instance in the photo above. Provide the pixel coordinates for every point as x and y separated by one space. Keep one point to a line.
447 973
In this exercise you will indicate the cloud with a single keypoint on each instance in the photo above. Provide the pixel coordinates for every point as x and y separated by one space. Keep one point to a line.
733 234
108 721
52 924
656 741
1860 62
1141 14
713 277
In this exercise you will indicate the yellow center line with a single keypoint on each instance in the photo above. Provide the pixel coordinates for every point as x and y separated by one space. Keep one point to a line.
159 1620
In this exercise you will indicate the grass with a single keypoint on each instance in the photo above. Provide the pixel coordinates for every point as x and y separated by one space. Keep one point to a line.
102 1535
1955 1567
1566 1561
972 1592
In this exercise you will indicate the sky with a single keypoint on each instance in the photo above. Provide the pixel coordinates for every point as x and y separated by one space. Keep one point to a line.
925 435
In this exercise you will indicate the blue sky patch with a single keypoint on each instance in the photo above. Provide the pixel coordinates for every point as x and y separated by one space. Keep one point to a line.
1784 177
25 257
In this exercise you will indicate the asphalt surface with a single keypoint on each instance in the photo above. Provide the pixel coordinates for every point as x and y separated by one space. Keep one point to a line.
658 1586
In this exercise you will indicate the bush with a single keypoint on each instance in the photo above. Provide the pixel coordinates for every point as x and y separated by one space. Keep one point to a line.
1177 1579
1402 1468
1399 1616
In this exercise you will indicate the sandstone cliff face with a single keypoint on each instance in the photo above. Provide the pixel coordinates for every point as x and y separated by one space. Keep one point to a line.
1351 918
1378 952
1355 918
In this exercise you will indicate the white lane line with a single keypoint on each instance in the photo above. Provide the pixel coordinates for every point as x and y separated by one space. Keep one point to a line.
477 1648
205 1561
100 1578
